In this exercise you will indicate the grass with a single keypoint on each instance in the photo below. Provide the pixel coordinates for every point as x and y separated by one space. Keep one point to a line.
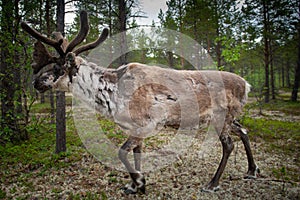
285 106
282 102
282 136
38 151
279 136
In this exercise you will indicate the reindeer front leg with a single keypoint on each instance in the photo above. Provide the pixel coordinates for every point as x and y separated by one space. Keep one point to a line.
138 180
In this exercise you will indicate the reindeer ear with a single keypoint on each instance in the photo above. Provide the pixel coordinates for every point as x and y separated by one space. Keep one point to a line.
41 57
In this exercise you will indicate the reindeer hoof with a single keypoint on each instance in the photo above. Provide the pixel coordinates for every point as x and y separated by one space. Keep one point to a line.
133 189
142 189
210 189
252 174
129 191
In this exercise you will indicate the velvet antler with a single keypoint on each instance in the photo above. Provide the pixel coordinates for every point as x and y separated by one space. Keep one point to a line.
41 55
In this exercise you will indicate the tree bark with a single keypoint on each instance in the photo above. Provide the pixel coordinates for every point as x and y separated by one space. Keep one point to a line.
60 96
297 79
60 122
282 76
266 53
48 27
170 59
122 29
294 96
9 129
272 74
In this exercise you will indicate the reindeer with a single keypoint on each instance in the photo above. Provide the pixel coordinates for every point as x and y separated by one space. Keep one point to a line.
136 97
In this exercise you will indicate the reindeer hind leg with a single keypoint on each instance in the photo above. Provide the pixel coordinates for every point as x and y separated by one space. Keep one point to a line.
242 133
227 147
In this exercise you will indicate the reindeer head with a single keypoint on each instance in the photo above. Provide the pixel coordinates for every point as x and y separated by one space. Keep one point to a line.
48 69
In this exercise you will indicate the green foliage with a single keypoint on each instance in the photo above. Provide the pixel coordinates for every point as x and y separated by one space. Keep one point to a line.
231 51
38 151
2 194
112 131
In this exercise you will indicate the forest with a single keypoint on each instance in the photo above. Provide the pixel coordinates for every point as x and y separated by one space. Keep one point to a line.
41 150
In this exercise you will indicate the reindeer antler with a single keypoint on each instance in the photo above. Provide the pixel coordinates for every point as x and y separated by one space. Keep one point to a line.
42 57
40 37
84 29
92 45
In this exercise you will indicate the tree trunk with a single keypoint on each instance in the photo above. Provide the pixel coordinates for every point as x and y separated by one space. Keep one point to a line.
60 122
180 6
196 36
219 54
48 27
122 29
17 71
7 90
110 26
41 22
170 59
297 72
272 73
266 53
60 96
282 76
297 79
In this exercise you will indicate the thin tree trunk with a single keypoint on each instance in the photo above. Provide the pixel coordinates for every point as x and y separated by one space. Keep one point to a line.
51 95
170 59
266 53
60 122
7 89
17 72
41 22
181 34
110 25
218 52
122 29
282 76
297 79
196 36
272 73
60 96
297 72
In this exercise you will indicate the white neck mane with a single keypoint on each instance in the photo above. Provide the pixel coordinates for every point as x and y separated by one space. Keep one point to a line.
96 86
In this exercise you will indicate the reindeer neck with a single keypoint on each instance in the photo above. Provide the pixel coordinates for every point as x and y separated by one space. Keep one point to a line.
97 87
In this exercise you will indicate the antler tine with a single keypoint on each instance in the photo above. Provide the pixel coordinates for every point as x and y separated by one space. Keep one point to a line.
84 29
40 37
92 45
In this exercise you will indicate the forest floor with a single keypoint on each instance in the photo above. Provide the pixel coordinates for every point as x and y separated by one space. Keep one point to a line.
32 171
